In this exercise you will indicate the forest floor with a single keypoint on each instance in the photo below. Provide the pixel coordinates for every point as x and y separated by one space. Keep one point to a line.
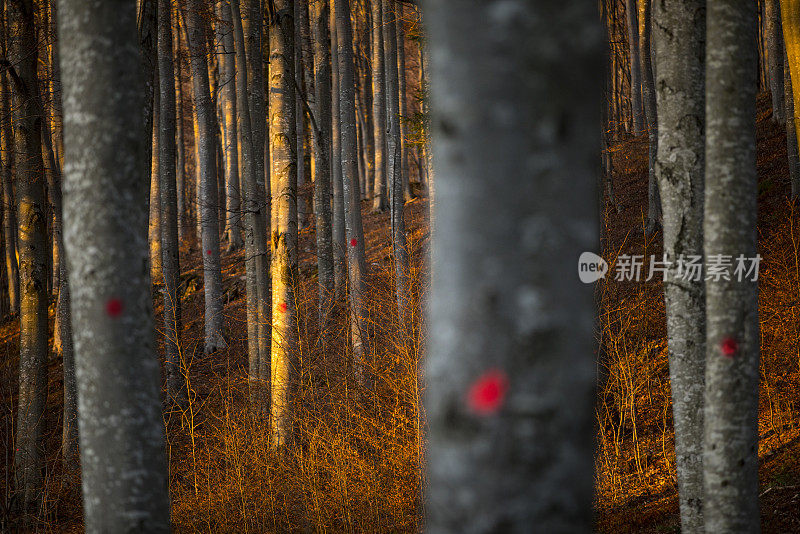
636 479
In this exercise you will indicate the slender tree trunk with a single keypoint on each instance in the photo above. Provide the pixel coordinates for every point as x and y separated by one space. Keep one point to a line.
154 226
510 358
775 58
649 94
401 72
379 202
791 132
209 222
637 109
322 155
394 152
680 41
790 21
252 28
33 250
730 459
354 231
105 235
9 209
227 64
337 231
180 146
283 179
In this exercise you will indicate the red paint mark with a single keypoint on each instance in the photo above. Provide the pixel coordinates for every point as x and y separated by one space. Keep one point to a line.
729 347
487 393
353 242
114 307
282 307
208 252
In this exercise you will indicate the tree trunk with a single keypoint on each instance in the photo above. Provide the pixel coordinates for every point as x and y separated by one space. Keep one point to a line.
227 64
252 29
105 215
790 20
510 359
649 94
730 459
283 178
337 231
637 109
394 175
791 132
775 58
33 251
354 231
9 209
401 72
379 202
154 226
680 82
322 155
209 221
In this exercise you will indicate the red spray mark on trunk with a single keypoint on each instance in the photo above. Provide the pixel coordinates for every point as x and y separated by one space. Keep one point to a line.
729 347
488 392
114 307
353 242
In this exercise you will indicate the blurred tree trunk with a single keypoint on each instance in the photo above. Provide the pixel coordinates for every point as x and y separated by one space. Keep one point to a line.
730 459
208 197
105 214
679 34
379 199
775 58
510 359
227 67
322 155
394 176
637 109
169 205
29 460
354 231
283 177
649 94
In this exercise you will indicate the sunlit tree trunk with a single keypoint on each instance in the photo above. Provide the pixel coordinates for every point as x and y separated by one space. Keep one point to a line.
227 65
730 459
775 58
510 373
394 151
379 202
180 146
322 153
33 251
401 71
791 132
154 226
105 215
354 231
338 229
282 129
208 197
9 209
679 35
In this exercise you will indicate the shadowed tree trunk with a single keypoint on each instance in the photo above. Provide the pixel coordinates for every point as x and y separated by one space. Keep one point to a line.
208 197
337 231
33 250
252 28
679 34
637 109
322 154
730 459
105 215
775 58
283 177
379 199
9 206
649 96
401 72
354 231
510 359
791 132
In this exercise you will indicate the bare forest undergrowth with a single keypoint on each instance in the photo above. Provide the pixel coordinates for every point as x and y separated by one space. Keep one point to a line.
354 463
636 487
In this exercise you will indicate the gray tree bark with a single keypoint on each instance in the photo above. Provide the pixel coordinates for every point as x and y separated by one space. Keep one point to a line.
354 231
227 65
730 459
208 196
322 154
9 210
775 58
105 234
679 35
394 176
510 361
654 215
33 251
401 72
337 231
791 132
380 201
283 176
252 28
637 109
169 205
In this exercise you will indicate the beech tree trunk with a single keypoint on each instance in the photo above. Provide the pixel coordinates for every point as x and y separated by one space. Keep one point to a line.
33 255
791 132
379 202
637 109
283 177
730 459
679 34
337 231
208 197
105 235
9 205
775 58
510 361
649 94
